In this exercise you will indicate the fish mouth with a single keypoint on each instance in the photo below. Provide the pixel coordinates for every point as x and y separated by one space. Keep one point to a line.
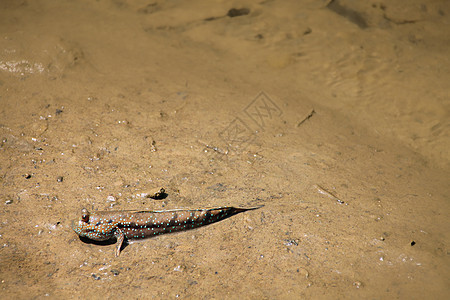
75 227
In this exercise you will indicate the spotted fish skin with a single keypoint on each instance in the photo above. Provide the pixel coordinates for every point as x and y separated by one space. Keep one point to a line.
104 225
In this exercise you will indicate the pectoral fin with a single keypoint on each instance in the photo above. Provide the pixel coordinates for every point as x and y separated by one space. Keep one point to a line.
120 238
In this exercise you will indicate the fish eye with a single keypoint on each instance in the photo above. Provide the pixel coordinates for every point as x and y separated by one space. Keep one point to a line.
85 215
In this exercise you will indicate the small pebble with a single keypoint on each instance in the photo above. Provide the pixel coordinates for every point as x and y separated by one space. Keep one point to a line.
115 272
60 179
291 242
110 198
9 201
235 12
157 193
179 268
96 277
27 176
303 272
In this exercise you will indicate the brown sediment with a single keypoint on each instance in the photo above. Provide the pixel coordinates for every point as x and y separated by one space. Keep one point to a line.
333 116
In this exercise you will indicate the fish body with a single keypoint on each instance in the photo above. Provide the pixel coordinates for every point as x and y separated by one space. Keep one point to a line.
104 225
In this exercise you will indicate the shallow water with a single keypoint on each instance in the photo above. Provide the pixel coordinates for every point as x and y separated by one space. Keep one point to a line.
334 115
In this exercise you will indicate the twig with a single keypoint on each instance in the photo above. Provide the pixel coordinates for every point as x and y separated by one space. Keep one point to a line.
216 149
325 192
306 118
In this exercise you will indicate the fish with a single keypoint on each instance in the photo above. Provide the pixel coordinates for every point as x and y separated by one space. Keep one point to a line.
139 224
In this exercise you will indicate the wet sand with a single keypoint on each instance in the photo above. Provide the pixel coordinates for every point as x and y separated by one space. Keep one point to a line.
334 115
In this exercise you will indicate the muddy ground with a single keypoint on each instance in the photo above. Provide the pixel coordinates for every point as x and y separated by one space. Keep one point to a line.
334 115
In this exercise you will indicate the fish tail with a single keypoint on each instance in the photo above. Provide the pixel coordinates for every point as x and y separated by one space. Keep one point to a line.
219 214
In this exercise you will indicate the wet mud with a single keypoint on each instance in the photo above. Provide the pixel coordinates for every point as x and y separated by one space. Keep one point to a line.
334 115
